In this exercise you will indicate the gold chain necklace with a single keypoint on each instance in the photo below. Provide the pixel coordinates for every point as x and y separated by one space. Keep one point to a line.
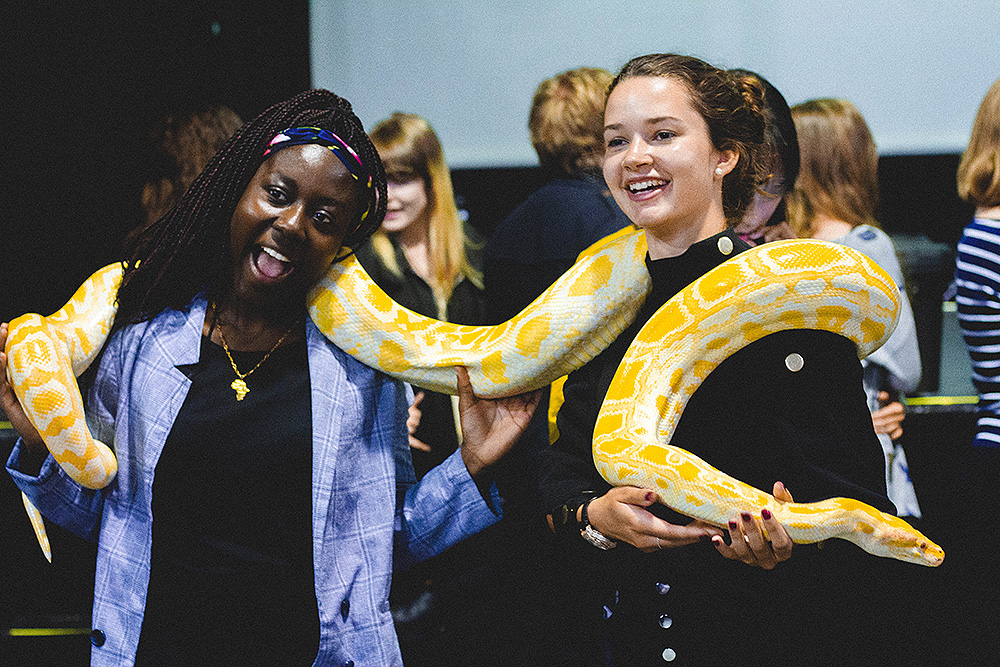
239 385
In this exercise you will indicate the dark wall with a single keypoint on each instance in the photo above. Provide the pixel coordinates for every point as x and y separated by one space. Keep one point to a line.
918 196
921 210
83 85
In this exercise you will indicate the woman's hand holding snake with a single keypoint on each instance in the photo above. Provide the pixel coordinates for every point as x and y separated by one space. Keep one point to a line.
490 427
763 543
621 514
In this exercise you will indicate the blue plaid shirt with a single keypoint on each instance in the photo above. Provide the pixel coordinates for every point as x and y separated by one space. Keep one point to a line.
368 512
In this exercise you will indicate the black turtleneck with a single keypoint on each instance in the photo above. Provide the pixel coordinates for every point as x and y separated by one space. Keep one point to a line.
760 422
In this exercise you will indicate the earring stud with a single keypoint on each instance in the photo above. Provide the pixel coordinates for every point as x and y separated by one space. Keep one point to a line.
718 171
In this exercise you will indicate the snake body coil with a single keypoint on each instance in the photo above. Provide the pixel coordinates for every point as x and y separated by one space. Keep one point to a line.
774 287
794 284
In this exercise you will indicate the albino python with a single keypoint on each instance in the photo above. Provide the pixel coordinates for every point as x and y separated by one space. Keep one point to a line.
794 284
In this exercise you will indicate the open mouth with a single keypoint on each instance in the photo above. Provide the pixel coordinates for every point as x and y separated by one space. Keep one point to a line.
271 263
645 185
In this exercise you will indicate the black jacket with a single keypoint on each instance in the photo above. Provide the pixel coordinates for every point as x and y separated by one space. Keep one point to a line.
758 421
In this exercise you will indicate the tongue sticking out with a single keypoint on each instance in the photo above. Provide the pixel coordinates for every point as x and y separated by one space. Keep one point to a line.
271 267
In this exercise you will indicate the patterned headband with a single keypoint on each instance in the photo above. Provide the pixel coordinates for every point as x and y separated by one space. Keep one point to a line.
297 136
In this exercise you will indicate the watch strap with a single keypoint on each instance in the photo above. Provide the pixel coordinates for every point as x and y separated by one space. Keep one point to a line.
564 518
591 534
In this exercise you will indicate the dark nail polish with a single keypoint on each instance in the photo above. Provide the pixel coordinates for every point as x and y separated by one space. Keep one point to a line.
766 513
732 525
746 517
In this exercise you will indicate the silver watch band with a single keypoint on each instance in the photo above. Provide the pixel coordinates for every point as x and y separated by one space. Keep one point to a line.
591 534
597 538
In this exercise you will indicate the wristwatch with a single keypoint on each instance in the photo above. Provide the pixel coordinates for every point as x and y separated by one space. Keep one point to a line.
591 534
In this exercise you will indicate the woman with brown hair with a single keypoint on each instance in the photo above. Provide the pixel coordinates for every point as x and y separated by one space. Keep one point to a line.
835 198
684 155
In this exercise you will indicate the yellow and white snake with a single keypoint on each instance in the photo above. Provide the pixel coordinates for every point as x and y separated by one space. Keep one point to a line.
793 284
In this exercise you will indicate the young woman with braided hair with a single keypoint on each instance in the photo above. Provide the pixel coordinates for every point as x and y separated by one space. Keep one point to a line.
684 155
264 491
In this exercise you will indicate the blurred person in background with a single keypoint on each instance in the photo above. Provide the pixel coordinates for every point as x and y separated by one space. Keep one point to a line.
835 198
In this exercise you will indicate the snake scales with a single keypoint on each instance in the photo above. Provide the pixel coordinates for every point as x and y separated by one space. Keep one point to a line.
794 284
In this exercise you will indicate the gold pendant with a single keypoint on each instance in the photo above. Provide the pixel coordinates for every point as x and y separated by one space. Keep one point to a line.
241 388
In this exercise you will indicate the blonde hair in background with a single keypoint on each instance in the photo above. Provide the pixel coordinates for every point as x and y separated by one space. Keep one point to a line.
838 177
979 170
567 120
409 148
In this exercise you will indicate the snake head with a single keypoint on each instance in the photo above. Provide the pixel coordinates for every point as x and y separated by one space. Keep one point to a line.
932 554
921 551
889 536
904 542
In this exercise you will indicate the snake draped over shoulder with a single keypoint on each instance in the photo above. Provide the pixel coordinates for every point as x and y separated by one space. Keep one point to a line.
783 285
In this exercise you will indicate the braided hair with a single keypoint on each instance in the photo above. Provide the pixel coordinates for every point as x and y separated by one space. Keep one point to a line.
186 251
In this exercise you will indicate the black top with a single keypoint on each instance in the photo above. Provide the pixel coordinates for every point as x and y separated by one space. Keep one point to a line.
231 577
758 421
465 306
540 239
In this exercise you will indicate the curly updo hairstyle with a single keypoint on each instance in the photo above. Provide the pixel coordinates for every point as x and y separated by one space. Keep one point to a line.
732 104
187 251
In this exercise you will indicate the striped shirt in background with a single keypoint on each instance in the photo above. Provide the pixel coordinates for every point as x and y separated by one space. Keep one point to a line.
977 277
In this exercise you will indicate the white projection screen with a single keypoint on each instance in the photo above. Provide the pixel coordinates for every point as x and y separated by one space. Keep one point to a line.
917 70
